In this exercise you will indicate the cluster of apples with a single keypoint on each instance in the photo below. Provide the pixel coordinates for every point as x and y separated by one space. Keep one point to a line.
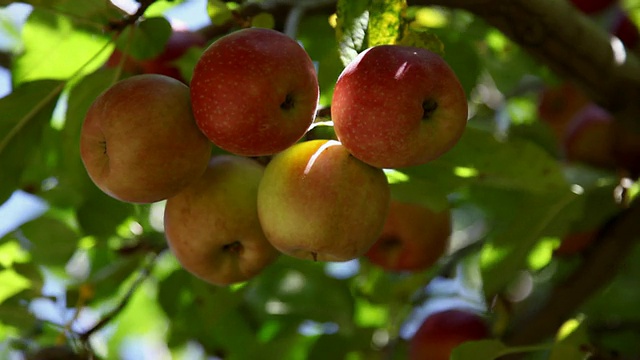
254 94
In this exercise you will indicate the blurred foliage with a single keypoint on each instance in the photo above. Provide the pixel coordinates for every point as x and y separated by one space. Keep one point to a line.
513 196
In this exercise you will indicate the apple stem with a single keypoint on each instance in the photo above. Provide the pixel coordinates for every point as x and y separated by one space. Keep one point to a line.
287 104
315 256
234 247
428 106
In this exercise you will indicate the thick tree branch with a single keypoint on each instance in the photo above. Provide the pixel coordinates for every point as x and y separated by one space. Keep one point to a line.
599 266
568 43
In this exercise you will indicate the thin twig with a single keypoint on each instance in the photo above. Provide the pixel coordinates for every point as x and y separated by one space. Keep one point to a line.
142 276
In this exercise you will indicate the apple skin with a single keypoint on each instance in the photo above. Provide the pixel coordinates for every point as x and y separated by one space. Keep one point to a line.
180 41
396 106
626 30
442 331
254 92
318 202
413 238
575 243
557 105
590 137
212 226
132 135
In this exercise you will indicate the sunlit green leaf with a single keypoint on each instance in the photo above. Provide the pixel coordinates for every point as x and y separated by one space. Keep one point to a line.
385 21
218 11
55 47
351 28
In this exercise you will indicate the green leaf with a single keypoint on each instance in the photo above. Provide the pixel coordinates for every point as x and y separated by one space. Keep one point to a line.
218 12
291 288
24 114
12 283
57 48
420 38
146 40
73 181
479 158
14 311
51 242
385 21
351 28
478 350
507 249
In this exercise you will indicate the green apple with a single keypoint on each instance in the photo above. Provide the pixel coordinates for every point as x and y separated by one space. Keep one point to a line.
316 201
396 106
139 141
413 238
443 331
212 226
254 92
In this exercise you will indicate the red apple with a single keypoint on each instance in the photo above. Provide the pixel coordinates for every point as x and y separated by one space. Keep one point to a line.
626 30
395 106
592 6
212 226
254 92
589 137
139 142
318 202
180 41
558 105
413 238
442 331
575 242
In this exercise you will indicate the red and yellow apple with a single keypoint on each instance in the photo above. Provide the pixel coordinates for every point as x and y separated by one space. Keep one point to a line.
395 106
254 92
443 331
139 141
413 238
318 202
212 226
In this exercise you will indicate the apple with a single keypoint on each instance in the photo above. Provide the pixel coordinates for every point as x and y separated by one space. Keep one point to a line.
575 242
592 6
318 202
179 42
139 141
443 331
212 226
589 137
396 106
557 105
413 238
254 92
626 30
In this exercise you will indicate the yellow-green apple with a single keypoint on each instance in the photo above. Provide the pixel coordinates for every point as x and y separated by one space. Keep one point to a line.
589 137
395 106
180 41
212 226
443 331
139 141
413 238
254 92
316 201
